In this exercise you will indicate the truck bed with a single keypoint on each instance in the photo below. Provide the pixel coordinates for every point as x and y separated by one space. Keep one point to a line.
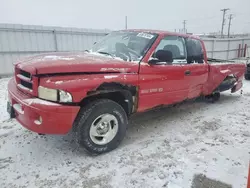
219 70
220 61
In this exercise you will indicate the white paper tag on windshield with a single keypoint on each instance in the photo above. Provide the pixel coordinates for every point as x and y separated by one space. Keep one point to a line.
145 35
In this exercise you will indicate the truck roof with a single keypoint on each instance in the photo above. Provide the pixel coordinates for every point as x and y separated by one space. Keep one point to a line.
162 32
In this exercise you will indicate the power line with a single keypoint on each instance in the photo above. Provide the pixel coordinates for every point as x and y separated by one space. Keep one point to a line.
204 24
223 20
229 24
196 19
184 26
203 18
126 22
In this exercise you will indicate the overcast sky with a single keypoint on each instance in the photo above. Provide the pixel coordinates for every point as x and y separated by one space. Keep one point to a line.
201 16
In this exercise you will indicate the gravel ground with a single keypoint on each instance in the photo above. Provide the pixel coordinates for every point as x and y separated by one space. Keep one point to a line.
163 148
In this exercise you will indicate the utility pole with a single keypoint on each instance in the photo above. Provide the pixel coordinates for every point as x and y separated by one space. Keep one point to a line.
229 24
184 25
223 20
126 22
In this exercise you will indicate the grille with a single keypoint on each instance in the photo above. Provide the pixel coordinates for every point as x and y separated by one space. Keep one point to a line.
25 80
25 74
26 84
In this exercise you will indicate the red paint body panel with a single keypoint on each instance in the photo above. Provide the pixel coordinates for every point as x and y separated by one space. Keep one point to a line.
218 73
156 84
75 62
169 79
195 81
79 85
56 118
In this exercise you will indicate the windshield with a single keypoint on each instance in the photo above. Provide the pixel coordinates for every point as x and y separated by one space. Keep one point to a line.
126 45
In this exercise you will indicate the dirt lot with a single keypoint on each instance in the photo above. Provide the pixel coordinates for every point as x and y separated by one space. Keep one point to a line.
163 148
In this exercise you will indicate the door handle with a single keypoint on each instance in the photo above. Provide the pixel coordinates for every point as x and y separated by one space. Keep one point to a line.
187 72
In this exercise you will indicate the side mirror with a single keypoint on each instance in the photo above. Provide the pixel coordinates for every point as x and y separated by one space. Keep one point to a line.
162 56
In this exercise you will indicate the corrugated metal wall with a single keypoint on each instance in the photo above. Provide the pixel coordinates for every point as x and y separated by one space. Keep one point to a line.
226 48
17 41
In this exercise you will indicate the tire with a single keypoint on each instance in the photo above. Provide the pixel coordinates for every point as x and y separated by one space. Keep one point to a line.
216 97
247 77
213 97
87 124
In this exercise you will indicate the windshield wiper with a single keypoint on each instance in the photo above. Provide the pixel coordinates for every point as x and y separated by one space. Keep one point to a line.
106 53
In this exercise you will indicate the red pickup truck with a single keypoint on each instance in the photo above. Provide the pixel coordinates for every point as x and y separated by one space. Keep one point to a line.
94 92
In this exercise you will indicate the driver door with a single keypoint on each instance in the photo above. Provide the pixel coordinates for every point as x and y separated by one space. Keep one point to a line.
163 84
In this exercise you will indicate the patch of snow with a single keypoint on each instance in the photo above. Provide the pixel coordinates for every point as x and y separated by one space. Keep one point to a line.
23 77
113 57
224 71
37 122
23 88
49 58
58 82
144 64
163 148
110 76
98 54
118 58
18 108
66 81
135 61
225 63
3 100
39 101
106 56
54 57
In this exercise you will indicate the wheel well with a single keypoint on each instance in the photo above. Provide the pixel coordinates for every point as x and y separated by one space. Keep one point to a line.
125 95
229 76
227 83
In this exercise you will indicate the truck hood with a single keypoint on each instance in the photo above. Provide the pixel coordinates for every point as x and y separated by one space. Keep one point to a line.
84 62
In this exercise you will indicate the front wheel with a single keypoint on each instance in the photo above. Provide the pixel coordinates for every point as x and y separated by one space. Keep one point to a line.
101 126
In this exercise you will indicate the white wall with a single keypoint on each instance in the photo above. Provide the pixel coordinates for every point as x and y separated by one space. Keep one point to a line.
17 41
225 48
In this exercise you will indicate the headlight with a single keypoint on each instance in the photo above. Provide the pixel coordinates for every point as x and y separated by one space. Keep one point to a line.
54 95
48 94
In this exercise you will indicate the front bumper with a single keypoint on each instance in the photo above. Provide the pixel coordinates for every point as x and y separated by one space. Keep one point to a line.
38 115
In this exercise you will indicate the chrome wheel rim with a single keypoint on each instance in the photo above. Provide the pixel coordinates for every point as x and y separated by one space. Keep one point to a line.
103 129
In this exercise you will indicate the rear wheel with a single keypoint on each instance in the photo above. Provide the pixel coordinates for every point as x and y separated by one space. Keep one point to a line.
101 126
213 97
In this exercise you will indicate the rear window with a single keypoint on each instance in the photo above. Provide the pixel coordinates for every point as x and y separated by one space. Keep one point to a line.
195 52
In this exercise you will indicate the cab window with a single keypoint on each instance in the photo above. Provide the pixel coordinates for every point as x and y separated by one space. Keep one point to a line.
174 45
195 52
